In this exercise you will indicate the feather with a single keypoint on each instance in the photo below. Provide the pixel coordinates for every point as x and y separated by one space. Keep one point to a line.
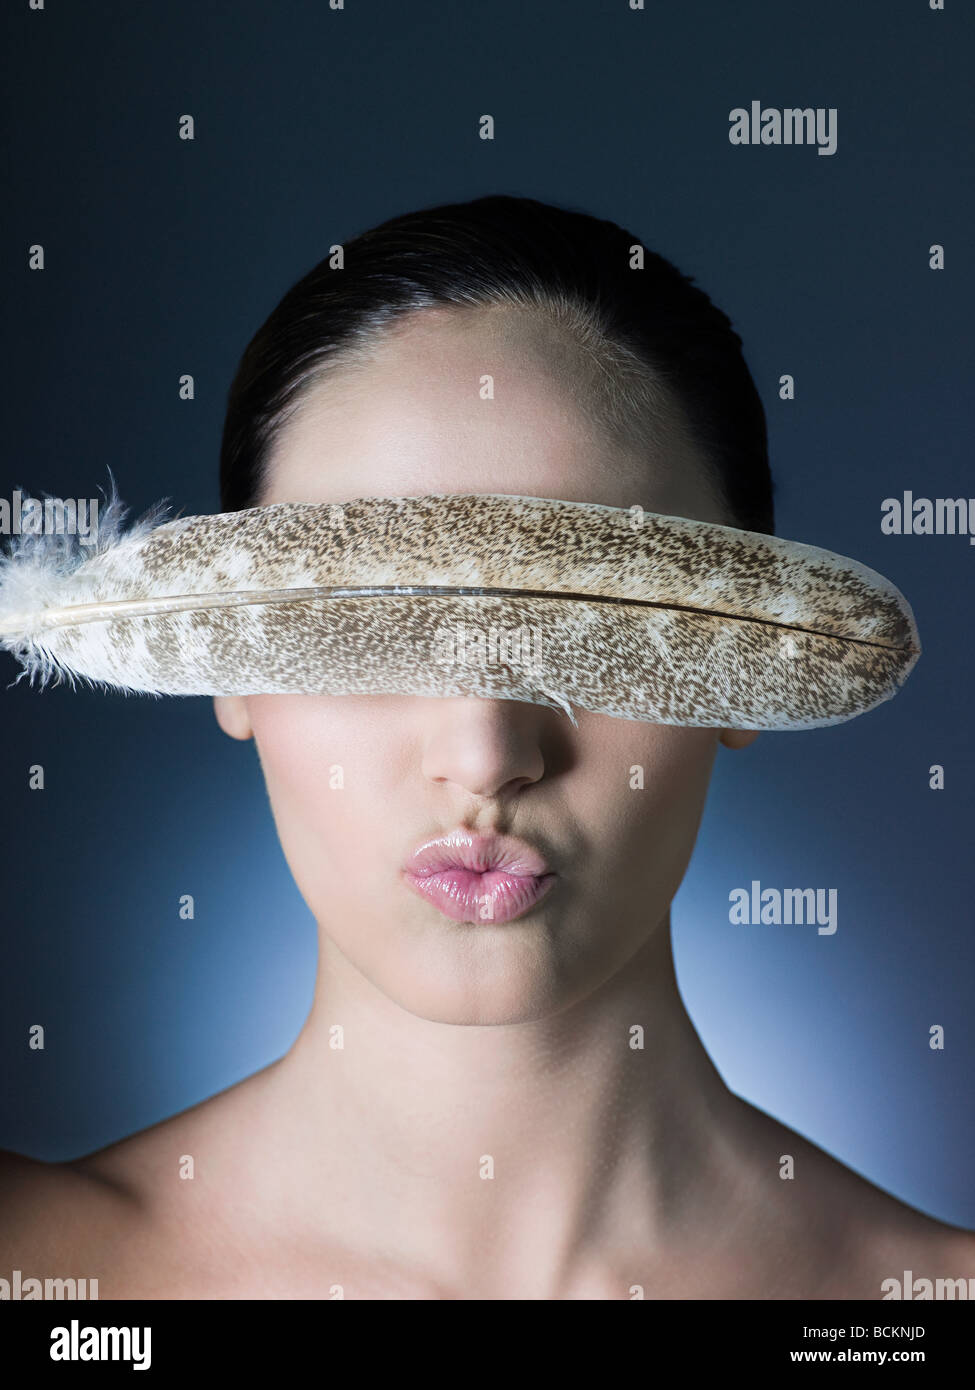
634 614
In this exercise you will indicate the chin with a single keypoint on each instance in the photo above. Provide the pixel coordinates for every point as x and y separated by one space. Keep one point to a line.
452 1007
485 976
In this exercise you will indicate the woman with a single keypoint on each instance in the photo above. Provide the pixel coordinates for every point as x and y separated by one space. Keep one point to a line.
510 1105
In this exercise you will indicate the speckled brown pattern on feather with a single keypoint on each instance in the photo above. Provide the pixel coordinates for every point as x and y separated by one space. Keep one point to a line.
670 620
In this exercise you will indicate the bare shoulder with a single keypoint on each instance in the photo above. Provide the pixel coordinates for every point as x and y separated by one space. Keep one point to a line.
145 1163
48 1210
125 1214
864 1236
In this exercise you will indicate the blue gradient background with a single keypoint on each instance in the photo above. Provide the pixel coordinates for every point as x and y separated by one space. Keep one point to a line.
163 257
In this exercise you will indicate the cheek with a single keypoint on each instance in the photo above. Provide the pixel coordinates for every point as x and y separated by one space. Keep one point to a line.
321 761
664 814
677 765
298 753
652 798
302 738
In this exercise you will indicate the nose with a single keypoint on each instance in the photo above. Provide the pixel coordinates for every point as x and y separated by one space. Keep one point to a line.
490 748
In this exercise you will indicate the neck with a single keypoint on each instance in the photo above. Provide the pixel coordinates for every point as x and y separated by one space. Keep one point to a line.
558 1133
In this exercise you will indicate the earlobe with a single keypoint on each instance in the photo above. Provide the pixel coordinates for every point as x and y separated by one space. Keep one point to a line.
738 738
231 712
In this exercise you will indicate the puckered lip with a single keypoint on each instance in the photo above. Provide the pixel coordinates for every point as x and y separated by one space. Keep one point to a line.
478 852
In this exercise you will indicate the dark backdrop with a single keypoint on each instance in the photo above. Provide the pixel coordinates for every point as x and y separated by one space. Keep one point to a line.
163 256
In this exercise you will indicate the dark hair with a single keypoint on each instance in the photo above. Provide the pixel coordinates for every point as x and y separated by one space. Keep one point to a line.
648 326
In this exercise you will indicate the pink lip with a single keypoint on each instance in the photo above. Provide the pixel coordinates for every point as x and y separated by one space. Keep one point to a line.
479 878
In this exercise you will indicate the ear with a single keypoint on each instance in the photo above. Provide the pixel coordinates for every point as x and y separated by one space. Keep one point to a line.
231 712
738 738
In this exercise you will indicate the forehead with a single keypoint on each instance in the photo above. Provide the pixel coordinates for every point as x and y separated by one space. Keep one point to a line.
454 400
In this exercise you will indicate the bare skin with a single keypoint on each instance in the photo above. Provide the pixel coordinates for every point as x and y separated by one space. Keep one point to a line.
360 1170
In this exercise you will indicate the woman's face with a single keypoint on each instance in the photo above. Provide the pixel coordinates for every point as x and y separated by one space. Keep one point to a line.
357 783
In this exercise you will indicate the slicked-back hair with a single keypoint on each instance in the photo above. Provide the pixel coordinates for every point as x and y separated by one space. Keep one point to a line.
649 333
